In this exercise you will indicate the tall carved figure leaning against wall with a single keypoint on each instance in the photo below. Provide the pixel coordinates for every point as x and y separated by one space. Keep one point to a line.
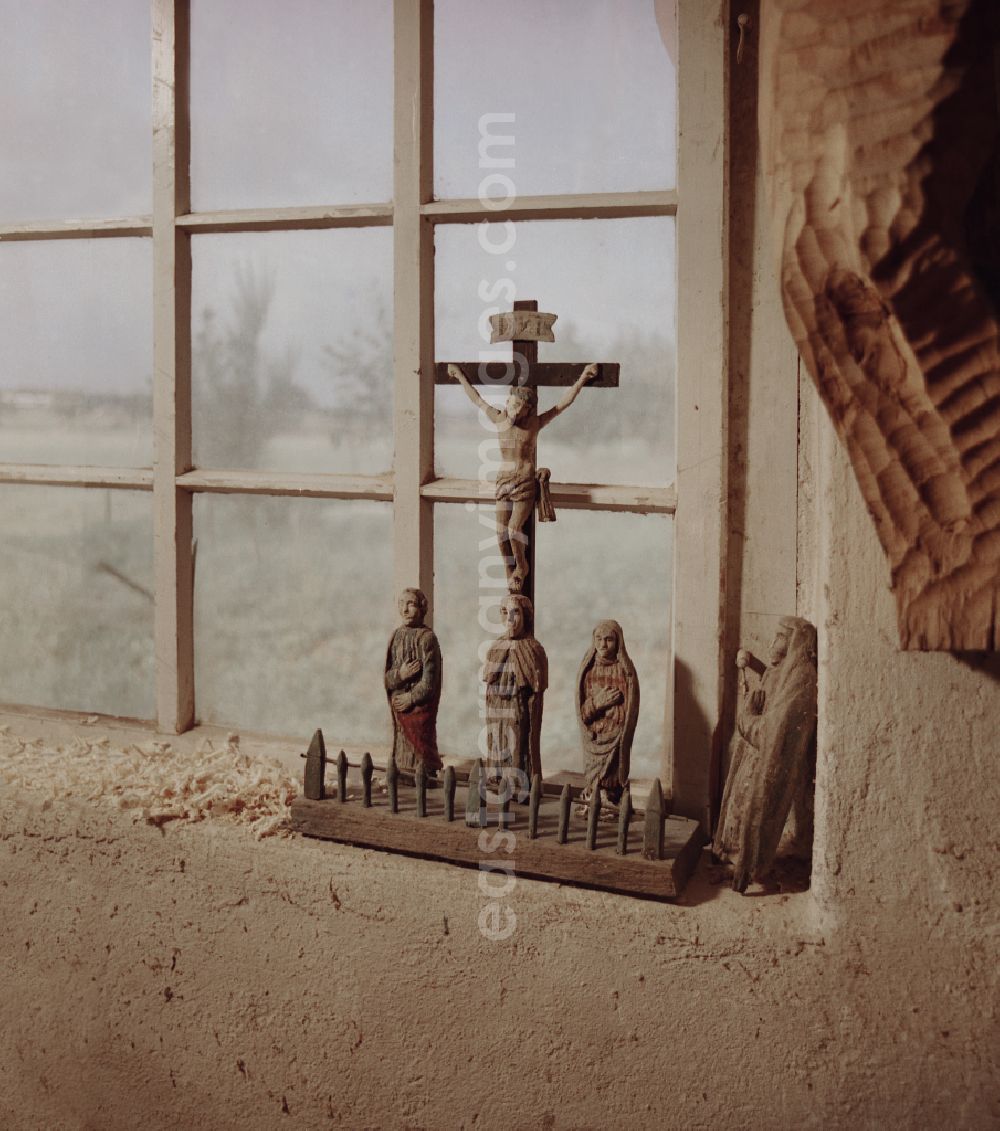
772 755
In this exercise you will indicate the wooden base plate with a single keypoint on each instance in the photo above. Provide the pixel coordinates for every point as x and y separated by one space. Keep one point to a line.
542 858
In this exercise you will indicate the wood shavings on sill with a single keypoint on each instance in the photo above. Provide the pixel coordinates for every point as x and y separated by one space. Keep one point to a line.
154 781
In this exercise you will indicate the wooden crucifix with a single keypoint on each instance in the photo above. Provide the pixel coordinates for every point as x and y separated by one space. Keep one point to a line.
521 485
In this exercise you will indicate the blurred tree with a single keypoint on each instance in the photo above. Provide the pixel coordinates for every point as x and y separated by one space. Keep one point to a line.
361 369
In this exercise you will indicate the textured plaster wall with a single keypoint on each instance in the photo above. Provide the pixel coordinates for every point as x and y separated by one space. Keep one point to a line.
198 979
909 757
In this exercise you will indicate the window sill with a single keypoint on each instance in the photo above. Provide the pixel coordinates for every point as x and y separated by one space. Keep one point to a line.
40 800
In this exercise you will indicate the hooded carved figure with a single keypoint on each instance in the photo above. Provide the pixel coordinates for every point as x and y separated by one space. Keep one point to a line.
607 707
516 674
771 754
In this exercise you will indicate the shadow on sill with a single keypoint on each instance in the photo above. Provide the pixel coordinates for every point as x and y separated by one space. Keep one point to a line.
789 876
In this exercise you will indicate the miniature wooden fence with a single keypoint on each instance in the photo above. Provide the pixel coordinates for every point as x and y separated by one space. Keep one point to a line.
649 853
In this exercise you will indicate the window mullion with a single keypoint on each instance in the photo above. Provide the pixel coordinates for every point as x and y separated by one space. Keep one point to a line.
172 519
413 290
700 521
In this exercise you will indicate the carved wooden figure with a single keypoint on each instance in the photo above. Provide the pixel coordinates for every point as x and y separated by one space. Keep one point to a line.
772 752
413 687
521 485
607 705
516 676
879 125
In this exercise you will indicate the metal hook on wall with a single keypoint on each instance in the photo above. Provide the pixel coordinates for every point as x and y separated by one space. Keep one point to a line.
742 22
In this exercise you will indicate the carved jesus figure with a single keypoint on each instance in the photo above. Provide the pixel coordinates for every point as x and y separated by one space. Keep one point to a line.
520 482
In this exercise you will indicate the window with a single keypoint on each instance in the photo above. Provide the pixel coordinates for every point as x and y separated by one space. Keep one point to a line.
264 415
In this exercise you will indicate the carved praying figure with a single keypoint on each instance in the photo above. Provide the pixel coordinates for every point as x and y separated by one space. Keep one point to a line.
413 686
607 704
520 484
772 751
516 674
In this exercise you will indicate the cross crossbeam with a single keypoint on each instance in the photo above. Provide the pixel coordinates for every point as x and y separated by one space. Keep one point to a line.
545 374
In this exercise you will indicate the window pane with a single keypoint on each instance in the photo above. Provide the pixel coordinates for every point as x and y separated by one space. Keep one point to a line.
591 565
291 103
75 109
292 350
578 95
76 620
293 610
76 352
611 283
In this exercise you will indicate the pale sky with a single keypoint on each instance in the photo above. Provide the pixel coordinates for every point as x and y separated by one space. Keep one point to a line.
292 104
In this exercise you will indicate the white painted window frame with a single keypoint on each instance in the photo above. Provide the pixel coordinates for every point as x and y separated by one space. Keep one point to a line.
698 499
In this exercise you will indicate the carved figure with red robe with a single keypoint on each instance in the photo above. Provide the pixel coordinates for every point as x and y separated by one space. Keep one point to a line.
413 686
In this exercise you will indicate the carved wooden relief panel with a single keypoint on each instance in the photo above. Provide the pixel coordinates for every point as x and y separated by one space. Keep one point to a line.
879 132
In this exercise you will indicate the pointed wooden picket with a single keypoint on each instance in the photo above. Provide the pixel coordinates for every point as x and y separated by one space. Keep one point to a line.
449 793
367 772
652 831
313 786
